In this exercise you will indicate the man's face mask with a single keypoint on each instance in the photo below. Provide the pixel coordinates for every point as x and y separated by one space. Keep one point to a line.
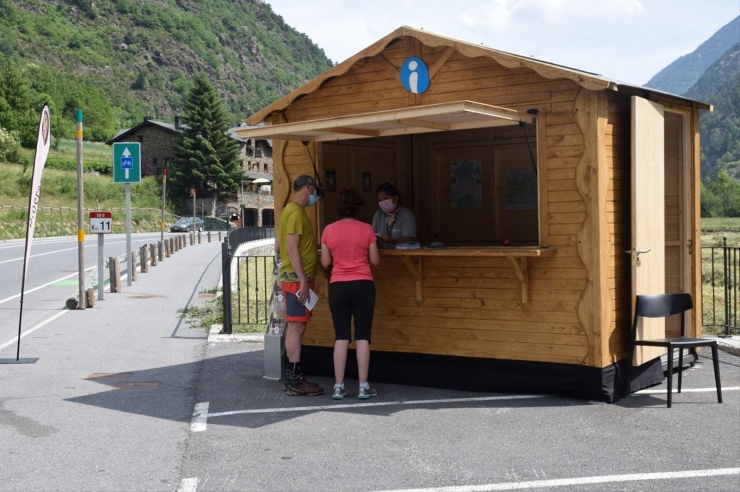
313 199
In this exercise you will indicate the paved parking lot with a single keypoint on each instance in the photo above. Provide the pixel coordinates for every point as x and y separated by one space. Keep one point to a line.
253 437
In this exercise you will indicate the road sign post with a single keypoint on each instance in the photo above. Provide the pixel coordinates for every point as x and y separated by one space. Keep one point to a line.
101 223
127 169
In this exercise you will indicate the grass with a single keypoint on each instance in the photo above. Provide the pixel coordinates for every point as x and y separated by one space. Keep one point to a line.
57 213
251 302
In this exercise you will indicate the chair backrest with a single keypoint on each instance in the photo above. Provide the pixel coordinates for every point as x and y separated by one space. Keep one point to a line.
660 306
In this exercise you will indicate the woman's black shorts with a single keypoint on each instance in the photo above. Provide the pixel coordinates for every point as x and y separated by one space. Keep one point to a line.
356 299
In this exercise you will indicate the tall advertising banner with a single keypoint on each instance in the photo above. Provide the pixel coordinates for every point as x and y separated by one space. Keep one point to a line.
43 143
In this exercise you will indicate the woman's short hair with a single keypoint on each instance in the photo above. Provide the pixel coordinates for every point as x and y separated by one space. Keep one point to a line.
388 188
349 203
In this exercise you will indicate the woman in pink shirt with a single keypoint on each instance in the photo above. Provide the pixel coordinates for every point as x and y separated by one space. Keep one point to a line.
349 247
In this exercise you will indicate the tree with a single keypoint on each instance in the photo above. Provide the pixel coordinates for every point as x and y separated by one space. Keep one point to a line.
206 158
16 105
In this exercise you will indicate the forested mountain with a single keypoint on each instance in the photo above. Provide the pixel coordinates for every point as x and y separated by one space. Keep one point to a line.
720 129
140 56
683 73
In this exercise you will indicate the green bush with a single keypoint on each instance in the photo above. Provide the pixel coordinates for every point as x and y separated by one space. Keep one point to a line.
10 146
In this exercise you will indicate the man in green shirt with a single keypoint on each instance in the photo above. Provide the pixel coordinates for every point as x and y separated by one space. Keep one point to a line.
300 259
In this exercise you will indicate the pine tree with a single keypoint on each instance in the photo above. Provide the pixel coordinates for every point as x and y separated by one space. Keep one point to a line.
206 158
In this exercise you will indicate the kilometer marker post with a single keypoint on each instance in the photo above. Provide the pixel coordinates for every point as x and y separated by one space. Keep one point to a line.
80 220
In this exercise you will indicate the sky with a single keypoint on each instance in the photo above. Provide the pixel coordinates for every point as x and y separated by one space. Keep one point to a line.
623 40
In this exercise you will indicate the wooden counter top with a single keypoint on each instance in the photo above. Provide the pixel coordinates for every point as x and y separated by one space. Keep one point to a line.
474 251
517 256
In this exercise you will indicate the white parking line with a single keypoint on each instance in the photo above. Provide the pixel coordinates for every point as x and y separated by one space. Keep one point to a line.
200 417
374 404
569 482
188 485
684 390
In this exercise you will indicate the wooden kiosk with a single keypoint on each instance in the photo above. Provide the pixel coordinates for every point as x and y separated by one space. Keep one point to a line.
593 184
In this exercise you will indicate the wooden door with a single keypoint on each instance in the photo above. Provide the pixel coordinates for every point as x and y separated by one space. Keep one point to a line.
648 215
370 168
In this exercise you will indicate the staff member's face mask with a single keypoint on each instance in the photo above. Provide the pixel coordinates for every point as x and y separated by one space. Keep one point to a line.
387 205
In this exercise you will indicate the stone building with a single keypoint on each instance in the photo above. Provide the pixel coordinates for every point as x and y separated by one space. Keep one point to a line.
254 199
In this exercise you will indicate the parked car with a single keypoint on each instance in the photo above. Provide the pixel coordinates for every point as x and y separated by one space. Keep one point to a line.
186 225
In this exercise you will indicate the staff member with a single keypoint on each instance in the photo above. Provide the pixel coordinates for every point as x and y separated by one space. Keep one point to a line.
300 261
393 223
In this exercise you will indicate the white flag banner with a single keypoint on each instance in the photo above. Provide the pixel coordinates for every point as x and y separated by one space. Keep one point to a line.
39 161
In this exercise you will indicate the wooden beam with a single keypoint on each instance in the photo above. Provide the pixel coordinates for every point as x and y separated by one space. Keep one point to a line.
389 67
440 62
415 267
353 131
423 124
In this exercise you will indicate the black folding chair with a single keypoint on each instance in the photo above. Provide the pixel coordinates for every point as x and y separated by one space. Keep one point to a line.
661 306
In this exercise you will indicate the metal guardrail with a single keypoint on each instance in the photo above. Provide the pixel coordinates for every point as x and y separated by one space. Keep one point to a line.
721 284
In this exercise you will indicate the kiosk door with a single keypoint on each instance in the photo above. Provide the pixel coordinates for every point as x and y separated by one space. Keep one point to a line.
648 216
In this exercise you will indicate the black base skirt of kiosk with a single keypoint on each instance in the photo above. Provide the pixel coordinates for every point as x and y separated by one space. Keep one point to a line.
491 375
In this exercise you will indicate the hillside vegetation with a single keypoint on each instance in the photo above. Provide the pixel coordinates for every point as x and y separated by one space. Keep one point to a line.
58 204
140 55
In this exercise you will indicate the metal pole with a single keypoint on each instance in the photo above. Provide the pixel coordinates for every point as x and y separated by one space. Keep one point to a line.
195 211
164 187
80 221
128 230
101 272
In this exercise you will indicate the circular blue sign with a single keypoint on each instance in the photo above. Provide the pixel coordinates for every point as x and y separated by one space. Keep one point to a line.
415 75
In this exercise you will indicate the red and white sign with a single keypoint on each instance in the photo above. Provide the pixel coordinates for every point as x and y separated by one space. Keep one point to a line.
101 222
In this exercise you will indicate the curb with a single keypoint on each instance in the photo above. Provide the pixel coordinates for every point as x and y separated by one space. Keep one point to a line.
731 345
215 336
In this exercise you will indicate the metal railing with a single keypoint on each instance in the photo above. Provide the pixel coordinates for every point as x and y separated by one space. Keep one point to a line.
720 277
254 285
255 279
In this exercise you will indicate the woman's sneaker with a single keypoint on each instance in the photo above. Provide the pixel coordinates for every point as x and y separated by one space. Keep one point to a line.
339 393
366 393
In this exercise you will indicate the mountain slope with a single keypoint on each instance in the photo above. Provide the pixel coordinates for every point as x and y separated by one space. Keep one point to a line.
720 130
683 73
143 53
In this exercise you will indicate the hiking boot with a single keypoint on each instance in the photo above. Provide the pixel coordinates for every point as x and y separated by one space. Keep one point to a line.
366 393
339 393
302 387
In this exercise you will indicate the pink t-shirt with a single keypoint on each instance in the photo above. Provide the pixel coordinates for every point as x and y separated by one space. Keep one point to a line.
348 241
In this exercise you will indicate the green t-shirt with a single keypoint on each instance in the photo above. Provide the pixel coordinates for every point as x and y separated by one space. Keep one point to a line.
294 220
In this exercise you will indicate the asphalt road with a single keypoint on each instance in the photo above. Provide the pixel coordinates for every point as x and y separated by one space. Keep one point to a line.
52 275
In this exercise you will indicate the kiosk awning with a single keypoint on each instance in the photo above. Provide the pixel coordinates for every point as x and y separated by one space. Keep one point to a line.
457 115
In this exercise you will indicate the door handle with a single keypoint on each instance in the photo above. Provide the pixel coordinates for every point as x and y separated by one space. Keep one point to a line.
636 253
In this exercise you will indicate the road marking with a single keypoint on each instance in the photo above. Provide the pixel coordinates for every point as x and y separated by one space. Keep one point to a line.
31 330
200 417
684 390
188 485
375 404
70 249
569 482
45 285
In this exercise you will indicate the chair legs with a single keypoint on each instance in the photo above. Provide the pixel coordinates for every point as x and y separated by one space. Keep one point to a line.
715 360
680 368
670 375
